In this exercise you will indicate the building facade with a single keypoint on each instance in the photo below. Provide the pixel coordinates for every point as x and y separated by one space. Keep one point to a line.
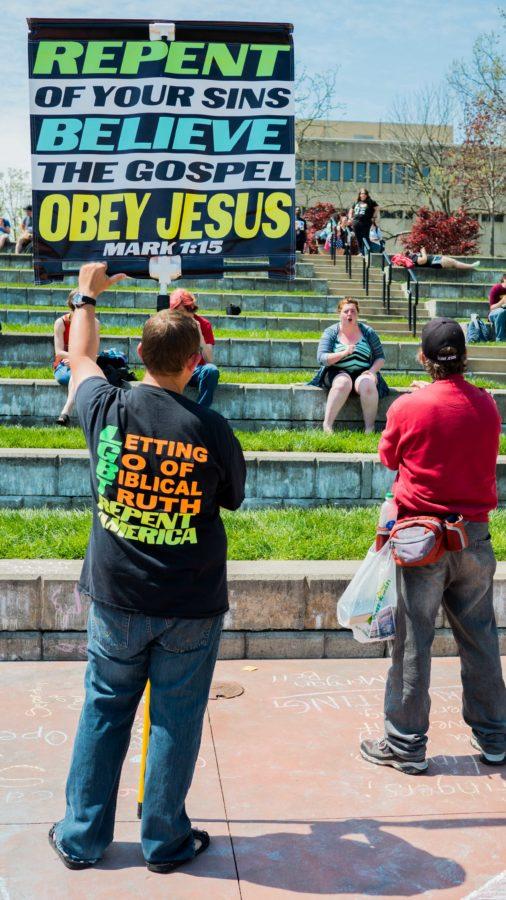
336 159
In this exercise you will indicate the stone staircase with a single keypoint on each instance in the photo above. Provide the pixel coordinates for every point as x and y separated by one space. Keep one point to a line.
38 614
372 309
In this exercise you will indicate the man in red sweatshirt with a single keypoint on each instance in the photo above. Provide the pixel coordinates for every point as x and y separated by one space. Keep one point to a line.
444 440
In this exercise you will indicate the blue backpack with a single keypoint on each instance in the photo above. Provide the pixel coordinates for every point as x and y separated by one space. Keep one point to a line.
478 330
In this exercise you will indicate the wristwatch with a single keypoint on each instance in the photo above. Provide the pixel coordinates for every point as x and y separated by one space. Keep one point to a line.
81 300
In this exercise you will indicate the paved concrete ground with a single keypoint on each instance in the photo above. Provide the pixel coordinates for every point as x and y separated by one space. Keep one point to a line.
292 808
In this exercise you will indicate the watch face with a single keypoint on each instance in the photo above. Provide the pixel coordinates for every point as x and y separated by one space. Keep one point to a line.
77 299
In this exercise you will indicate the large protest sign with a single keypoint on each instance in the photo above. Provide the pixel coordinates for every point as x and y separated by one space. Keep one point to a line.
155 139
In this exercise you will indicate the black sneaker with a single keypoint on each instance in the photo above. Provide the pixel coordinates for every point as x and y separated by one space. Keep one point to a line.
379 752
490 759
71 862
201 840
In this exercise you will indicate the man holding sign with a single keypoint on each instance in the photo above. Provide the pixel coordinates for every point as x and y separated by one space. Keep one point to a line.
155 570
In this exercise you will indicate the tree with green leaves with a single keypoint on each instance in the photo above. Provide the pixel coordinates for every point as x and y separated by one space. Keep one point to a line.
15 193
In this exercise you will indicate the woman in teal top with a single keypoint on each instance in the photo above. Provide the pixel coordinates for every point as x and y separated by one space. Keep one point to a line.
351 357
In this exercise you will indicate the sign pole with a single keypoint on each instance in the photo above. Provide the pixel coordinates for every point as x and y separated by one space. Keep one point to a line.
146 725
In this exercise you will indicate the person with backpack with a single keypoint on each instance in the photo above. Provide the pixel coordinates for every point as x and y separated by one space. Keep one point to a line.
443 440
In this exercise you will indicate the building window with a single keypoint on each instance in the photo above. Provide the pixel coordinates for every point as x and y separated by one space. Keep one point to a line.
410 175
348 171
335 171
308 170
400 172
374 173
361 172
298 170
499 218
321 170
386 173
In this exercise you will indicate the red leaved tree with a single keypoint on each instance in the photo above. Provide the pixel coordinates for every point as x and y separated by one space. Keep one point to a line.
455 234
317 217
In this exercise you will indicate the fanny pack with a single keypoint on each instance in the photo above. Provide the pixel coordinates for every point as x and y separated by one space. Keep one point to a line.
421 540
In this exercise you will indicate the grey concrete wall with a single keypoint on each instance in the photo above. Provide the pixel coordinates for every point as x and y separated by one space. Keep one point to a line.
12 275
61 477
249 406
243 353
277 610
446 290
216 299
120 319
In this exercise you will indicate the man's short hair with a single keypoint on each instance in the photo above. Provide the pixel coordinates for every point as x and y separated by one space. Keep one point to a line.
168 340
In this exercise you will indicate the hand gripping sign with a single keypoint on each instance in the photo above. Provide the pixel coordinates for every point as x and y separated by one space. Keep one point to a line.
162 149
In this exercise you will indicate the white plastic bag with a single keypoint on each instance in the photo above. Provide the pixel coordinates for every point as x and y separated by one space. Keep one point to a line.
368 603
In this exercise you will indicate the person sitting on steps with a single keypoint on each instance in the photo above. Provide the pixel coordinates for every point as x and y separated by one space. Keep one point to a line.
206 375
61 364
497 311
351 357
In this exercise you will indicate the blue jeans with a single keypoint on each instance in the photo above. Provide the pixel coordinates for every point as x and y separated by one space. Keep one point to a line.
205 378
498 317
62 373
463 584
124 650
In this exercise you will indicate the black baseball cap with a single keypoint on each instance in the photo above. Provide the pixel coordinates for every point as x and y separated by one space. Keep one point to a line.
440 333
25 208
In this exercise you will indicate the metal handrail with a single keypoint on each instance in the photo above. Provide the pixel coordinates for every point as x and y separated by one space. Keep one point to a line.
347 253
333 244
366 265
386 269
412 290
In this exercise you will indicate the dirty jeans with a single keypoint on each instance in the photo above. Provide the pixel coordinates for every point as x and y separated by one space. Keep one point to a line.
124 650
462 582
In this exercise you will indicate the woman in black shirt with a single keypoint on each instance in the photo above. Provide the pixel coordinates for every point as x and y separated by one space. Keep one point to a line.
364 213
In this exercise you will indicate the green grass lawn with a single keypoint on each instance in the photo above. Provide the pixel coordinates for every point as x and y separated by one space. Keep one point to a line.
305 440
324 533
152 289
224 333
253 376
145 311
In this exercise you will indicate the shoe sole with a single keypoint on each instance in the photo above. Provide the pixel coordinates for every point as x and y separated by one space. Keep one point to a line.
500 761
167 868
405 768
66 860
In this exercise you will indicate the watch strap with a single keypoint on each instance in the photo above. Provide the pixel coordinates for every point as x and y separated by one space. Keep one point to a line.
87 301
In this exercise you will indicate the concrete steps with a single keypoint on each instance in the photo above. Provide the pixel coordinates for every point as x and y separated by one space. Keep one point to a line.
23 350
40 619
246 406
35 478
131 319
232 282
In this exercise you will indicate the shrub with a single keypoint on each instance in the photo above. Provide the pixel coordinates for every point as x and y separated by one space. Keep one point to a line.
317 217
455 234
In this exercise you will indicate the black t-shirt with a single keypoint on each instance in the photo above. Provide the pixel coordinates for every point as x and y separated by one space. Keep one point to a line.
363 213
161 467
